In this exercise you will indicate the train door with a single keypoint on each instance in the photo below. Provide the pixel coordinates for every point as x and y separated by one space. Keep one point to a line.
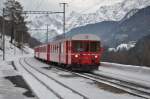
66 53
48 53
62 52
69 52
59 52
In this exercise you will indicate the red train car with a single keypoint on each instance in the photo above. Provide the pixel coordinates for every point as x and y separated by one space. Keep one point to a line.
79 52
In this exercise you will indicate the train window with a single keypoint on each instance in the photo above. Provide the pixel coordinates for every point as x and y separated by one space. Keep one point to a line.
85 46
51 48
59 48
55 48
77 46
94 46
62 47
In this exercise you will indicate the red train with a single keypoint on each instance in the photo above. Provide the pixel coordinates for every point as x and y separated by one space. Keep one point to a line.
79 52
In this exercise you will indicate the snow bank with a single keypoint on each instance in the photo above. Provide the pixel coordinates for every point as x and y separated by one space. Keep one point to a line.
130 68
134 74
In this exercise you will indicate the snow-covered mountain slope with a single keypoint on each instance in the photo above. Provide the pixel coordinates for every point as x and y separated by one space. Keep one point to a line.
54 23
12 52
115 12
107 13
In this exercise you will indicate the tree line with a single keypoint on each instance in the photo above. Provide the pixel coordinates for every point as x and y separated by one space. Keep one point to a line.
15 24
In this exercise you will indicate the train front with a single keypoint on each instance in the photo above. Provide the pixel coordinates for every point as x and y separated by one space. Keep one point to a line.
86 52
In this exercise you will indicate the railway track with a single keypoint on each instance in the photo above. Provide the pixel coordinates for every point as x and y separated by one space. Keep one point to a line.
128 87
128 83
27 66
123 85
117 84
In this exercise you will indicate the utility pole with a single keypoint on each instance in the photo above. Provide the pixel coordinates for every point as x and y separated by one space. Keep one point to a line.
3 34
12 20
64 18
14 41
22 42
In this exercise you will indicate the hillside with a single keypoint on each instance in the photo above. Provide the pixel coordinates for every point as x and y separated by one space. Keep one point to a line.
133 28
13 52
138 54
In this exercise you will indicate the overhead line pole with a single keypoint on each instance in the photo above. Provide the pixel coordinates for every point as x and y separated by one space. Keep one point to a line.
47 34
64 18
3 34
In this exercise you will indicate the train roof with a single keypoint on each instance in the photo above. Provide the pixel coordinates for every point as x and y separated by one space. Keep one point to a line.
77 37
74 37
85 37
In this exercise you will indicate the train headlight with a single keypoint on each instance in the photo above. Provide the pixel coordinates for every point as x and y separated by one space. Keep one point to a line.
96 56
76 56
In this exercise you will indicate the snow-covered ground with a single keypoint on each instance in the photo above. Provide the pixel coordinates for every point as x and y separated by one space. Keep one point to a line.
135 74
12 53
8 90
91 89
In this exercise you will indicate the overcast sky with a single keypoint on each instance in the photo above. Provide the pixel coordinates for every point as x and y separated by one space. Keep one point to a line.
73 5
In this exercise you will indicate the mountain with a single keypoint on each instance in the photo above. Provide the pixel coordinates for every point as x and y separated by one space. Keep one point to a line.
116 12
100 29
107 13
40 23
113 33
133 28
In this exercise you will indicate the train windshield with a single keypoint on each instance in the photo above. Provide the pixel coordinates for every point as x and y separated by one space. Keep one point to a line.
86 46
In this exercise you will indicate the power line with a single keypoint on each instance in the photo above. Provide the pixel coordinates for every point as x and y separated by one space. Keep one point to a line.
40 12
